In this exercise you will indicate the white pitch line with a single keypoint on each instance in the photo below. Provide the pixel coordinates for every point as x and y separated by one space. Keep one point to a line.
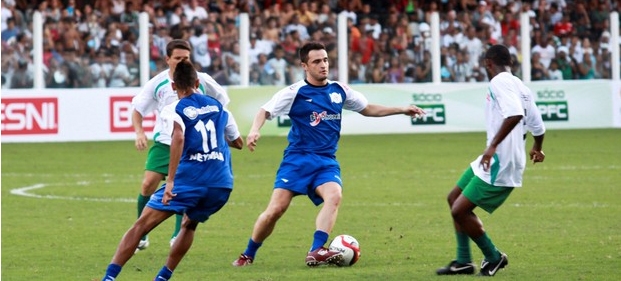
24 191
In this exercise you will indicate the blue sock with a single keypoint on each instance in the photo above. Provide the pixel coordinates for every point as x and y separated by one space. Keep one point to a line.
112 272
252 248
319 239
164 274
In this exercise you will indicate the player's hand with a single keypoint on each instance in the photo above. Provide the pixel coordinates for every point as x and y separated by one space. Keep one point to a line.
486 158
251 140
141 142
414 111
537 156
168 195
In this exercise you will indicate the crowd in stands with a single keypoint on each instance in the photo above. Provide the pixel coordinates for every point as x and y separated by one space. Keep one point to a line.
95 43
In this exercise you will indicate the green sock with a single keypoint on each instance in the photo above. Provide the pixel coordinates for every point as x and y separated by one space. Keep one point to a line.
142 201
464 255
178 220
487 247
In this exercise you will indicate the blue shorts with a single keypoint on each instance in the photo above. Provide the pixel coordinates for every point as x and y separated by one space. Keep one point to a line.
302 173
198 202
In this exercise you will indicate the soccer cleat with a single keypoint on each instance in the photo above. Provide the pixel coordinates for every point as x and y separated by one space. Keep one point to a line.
143 244
323 256
455 268
243 260
172 241
490 269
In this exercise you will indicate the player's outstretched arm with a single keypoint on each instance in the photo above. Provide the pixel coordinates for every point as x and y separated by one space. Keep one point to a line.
376 110
257 123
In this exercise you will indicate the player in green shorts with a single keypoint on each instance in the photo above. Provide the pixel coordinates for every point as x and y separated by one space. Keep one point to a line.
154 96
511 112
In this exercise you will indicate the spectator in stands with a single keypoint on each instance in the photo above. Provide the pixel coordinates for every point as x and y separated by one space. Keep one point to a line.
545 49
217 71
22 77
11 31
271 31
278 67
566 63
538 69
586 69
200 52
119 74
395 72
473 45
57 75
133 67
378 72
554 73
100 70
193 10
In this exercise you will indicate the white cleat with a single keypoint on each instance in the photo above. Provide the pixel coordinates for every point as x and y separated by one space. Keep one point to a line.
142 245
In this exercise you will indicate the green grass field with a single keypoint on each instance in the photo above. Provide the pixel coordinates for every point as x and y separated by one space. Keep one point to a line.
564 224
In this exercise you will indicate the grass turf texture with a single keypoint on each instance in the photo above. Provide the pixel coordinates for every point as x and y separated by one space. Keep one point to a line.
562 225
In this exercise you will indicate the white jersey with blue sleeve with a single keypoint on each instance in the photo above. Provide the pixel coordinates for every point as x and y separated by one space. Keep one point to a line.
315 113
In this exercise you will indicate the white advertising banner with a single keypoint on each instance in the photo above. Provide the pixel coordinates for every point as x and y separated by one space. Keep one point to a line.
105 114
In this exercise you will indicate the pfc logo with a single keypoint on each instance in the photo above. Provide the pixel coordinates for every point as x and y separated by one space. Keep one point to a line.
121 116
29 116
553 110
434 115
283 122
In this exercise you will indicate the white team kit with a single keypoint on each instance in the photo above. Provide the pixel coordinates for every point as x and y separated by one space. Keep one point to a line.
158 93
508 96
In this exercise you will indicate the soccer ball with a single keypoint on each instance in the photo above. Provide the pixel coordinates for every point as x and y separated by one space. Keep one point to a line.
348 245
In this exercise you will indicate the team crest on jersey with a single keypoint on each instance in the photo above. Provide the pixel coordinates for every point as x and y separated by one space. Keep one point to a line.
190 112
336 98
316 118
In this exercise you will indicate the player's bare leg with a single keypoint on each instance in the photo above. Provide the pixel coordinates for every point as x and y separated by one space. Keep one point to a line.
184 241
149 219
331 193
278 205
150 182
263 227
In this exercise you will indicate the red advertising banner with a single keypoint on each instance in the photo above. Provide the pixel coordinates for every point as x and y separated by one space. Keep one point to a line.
29 116
121 116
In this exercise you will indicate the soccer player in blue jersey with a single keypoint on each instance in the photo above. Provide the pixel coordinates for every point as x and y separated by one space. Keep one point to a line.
309 166
155 95
200 178
489 180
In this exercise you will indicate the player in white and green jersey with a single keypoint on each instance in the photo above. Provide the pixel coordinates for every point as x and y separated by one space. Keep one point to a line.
155 95
510 114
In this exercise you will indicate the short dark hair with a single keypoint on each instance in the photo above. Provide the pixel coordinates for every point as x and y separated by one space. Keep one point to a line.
499 55
310 46
177 44
185 75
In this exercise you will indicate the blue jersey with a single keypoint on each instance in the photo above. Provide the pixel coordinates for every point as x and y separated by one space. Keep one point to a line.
315 113
206 159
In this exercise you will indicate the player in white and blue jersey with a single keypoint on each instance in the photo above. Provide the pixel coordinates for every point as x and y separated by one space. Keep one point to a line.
309 166
200 178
